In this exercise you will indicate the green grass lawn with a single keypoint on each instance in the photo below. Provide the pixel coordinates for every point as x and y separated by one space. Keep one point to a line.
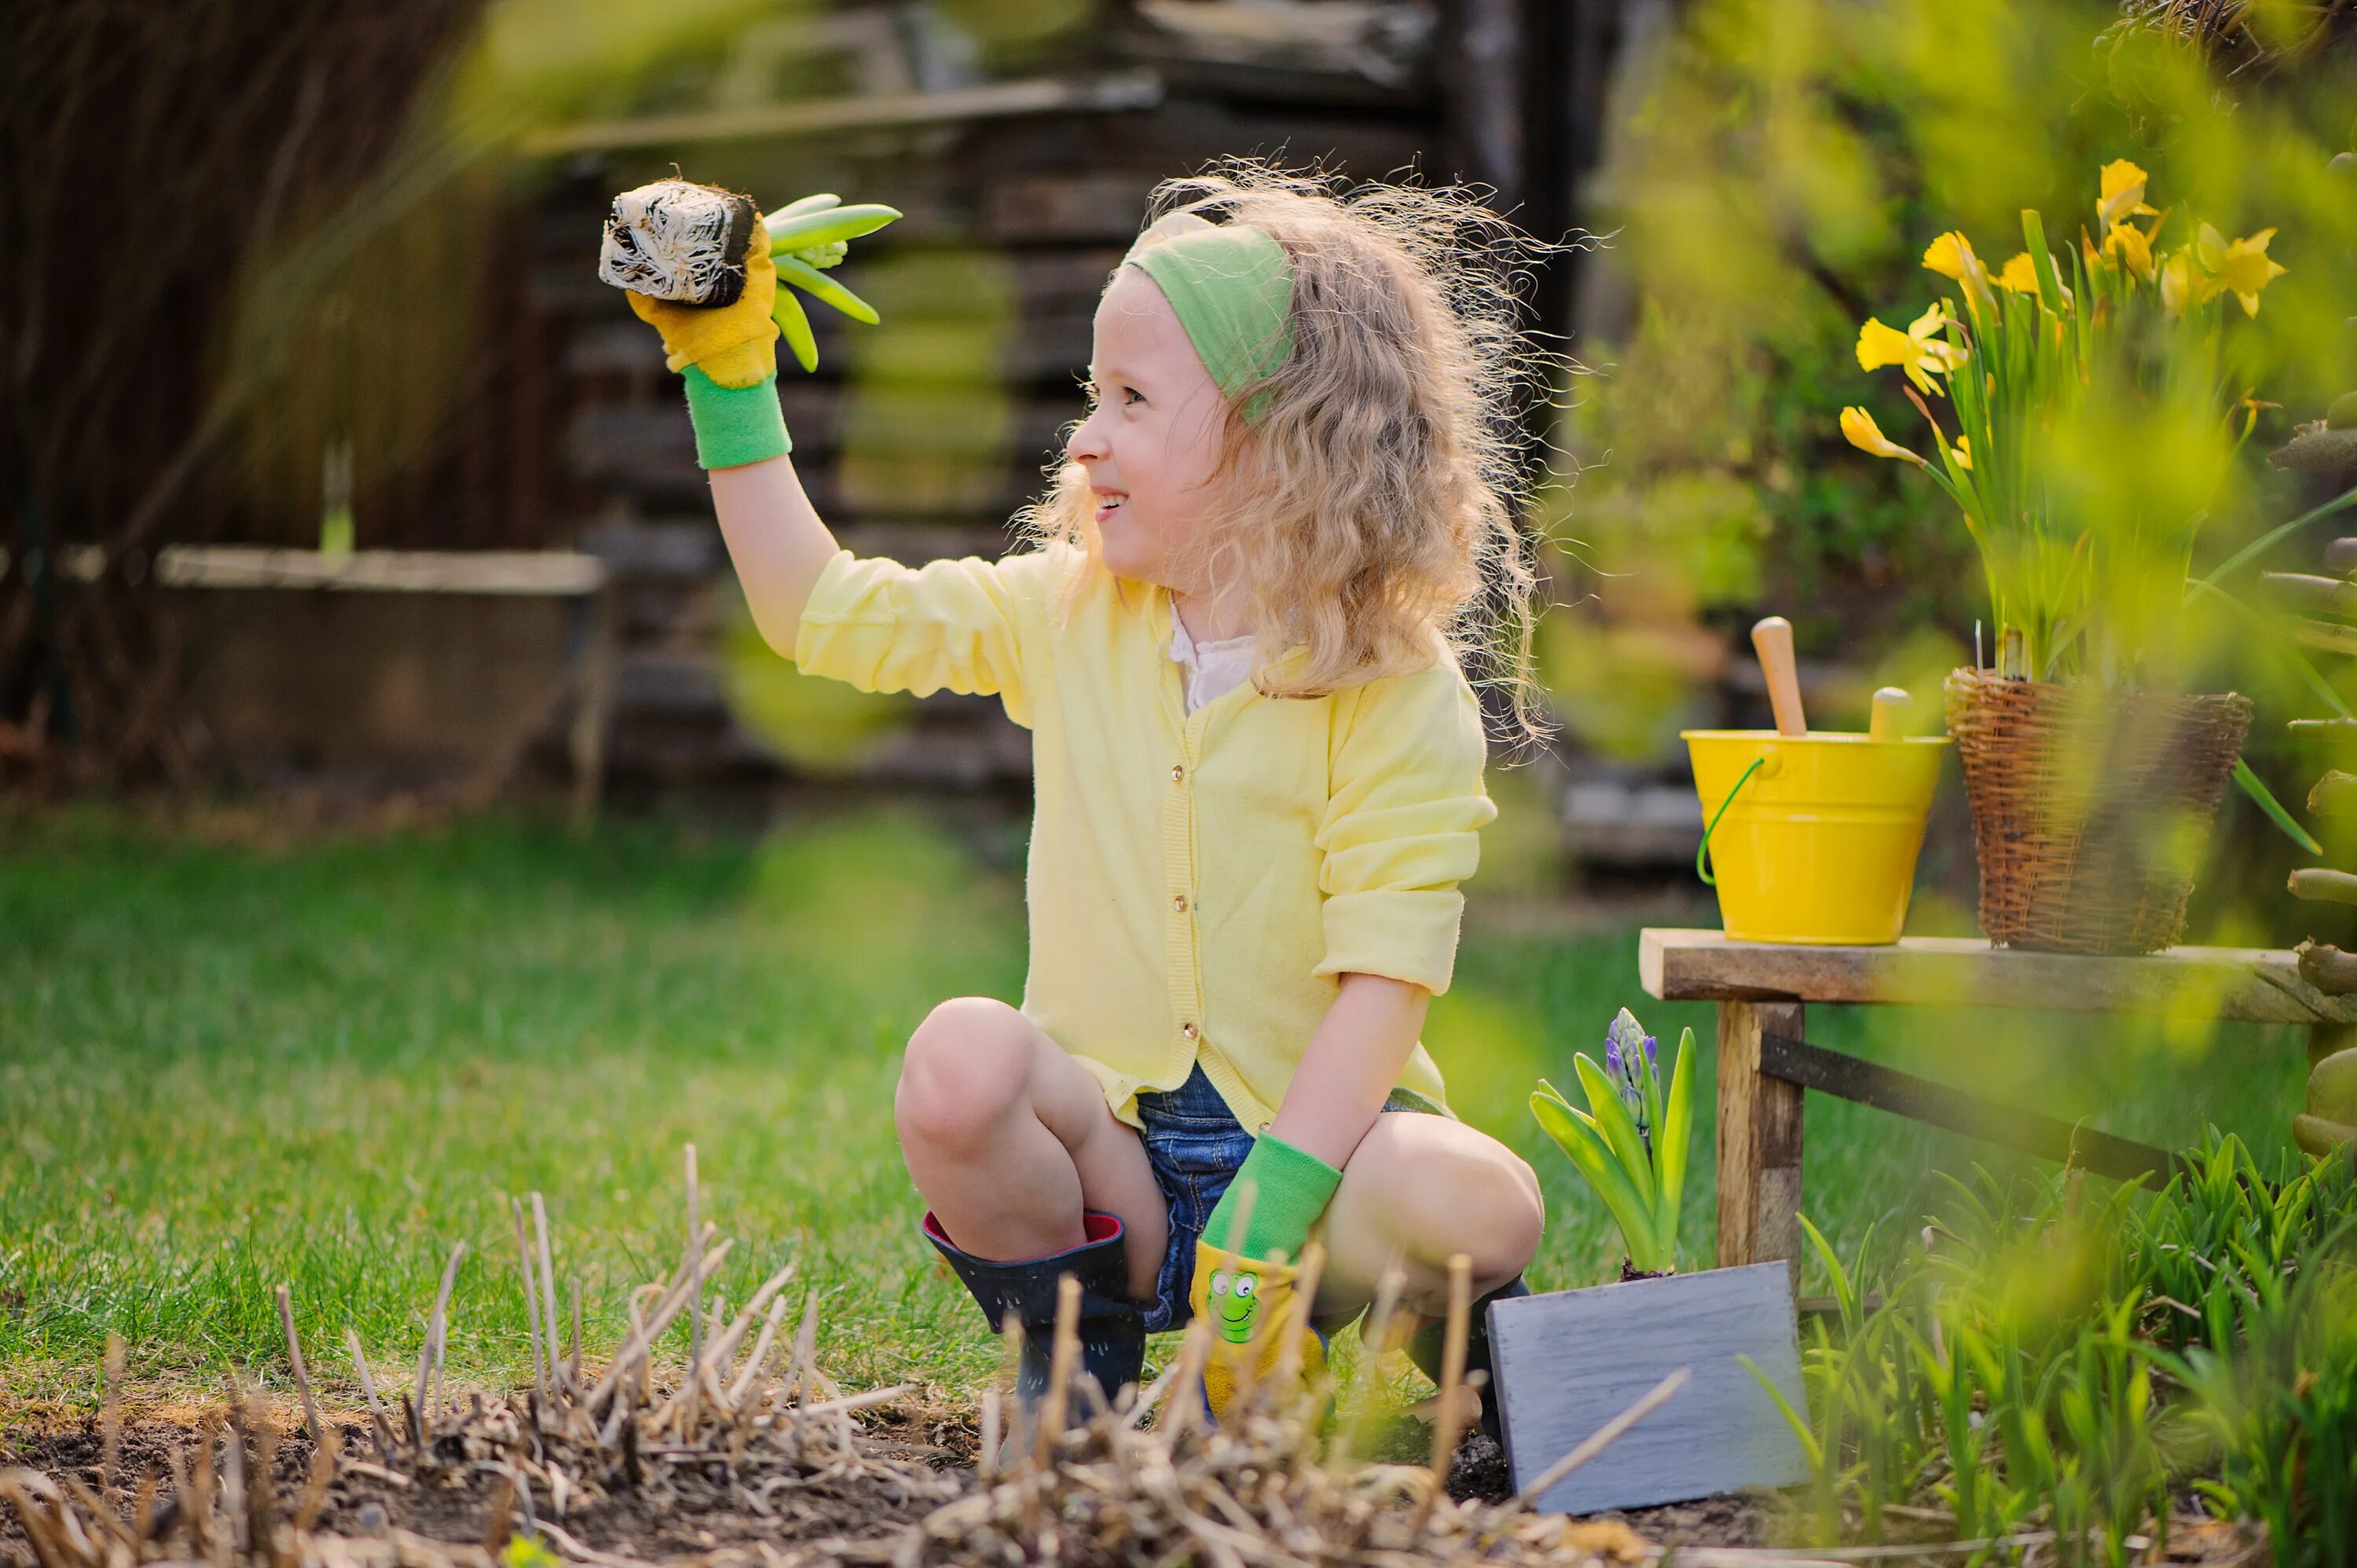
222 1068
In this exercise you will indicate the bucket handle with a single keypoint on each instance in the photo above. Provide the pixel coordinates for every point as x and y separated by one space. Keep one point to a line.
1702 850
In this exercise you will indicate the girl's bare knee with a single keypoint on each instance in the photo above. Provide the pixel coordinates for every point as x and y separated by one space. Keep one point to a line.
967 1070
1483 1201
1514 1221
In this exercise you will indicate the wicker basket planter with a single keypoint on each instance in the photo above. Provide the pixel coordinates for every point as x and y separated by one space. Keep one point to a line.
2090 807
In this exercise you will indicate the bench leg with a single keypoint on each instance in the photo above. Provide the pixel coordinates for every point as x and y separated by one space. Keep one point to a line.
1759 1139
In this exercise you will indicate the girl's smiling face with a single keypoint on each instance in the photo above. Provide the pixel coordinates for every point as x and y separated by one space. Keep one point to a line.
1153 438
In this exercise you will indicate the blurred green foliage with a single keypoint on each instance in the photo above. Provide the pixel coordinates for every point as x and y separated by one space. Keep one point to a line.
1773 171
537 64
927 417
2113 1365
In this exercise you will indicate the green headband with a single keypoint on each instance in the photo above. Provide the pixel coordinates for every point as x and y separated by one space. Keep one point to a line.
1232 287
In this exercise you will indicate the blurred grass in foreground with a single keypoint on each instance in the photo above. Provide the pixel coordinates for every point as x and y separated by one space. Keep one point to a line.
226 1067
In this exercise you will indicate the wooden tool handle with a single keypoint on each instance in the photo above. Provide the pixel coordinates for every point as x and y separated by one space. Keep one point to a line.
2325 887
1889 707
1772 639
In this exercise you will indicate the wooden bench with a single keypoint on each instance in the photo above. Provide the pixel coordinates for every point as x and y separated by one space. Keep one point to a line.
1765 1060
448 664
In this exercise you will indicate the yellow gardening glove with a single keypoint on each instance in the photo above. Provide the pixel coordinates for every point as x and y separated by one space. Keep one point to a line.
1252 1305
735 345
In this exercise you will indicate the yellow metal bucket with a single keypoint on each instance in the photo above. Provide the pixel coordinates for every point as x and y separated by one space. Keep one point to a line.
1813 837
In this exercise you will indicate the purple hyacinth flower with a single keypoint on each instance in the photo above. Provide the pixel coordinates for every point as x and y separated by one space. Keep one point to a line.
1629 1051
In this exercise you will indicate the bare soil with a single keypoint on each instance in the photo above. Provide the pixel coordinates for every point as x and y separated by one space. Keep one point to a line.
1480 1472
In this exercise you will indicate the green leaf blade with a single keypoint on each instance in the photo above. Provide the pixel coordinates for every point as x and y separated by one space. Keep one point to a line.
830 226
1588 1152
1670 1142
787 312
1612 1119
2265 801
816 284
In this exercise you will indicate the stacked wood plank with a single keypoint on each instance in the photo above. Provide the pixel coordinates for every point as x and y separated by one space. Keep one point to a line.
1022 184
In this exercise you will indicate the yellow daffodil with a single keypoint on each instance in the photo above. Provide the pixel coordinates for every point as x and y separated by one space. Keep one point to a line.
2133 247
2243 267
1867 436
1920 351
2123 194
1879 346
2185 283
2176 282
2020 277
2020 274
1962 452
1952 258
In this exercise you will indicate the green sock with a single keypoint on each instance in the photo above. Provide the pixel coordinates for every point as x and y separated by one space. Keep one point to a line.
735 426
1290 1189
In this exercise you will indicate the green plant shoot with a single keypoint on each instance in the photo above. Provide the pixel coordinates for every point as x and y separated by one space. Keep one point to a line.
1631 1143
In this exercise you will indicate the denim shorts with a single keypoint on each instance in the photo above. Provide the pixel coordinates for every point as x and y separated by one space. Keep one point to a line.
1195 1144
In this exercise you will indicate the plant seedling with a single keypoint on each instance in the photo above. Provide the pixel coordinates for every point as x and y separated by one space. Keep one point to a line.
678 241
1631 1143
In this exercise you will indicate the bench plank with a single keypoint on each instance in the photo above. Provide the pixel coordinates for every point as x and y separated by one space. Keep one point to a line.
552 574
2259 986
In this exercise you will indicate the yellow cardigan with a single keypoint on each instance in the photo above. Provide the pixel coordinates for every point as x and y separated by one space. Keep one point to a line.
1197 883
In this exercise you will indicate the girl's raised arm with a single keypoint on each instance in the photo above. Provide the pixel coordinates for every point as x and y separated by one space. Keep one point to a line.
727 357
775 541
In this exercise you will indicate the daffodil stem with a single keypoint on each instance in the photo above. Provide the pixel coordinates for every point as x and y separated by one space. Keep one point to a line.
2266 801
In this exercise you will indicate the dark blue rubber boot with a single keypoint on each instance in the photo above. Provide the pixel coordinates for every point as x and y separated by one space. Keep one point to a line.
1425 1346
1113 1334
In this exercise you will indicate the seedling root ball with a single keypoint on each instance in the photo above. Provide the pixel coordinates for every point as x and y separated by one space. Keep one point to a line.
678 241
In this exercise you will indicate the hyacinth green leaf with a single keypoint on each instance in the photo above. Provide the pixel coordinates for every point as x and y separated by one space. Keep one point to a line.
1612 1119
1584 1118
813 282
1563 1122
1613 1139
1585 1149
1670 1142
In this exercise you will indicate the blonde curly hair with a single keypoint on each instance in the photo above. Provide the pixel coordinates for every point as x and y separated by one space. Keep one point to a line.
1370 510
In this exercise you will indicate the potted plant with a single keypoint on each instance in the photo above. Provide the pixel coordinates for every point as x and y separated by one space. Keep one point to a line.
1674 1350
2090 425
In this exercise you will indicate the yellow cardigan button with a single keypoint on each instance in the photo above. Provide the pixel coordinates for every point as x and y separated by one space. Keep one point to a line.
1178 903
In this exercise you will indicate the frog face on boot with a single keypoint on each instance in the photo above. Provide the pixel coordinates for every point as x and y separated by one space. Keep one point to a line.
1235 1305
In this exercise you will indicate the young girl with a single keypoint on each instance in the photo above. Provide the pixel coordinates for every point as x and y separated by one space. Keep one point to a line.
1239 635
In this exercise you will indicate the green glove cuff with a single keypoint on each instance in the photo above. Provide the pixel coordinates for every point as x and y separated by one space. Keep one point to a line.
1290 1190
735 426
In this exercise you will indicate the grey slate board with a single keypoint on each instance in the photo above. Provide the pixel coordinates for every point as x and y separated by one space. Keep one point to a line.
1570 1361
